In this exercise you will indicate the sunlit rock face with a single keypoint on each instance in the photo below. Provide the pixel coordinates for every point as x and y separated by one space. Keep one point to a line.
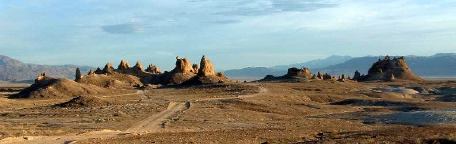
389 69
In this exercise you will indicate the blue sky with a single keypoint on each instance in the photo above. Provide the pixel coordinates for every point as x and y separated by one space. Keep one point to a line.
233 33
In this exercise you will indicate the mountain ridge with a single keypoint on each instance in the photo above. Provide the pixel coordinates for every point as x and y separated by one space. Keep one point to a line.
16 71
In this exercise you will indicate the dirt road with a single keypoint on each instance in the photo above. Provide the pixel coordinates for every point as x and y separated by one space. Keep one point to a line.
152 124
155 122
148 125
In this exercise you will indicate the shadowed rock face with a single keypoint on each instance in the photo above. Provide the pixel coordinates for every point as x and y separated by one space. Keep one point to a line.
108 68
138 66
98 71
153 69
390 69
123 65
295 72
207 68
195 67
357 75
78 75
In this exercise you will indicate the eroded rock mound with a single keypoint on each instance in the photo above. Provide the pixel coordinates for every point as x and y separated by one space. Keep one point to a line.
292 74
390 69
47 87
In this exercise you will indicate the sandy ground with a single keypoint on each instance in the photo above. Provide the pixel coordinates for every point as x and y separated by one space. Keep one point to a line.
303 112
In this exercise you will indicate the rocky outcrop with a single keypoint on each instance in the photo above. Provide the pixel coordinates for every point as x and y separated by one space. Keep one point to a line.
342 78
108 69
182 72
109 79
123 66
302 73
183 65
153 69
91 72
207 68
357 75
327 76
320 76
78 75
41 78
125 75
187 74
138 67
292 74
389 69
98 71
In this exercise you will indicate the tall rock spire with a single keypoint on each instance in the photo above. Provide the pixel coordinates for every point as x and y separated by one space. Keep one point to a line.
78 75
206 67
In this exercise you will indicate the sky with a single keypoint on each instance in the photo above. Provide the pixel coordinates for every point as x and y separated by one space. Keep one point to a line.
232 33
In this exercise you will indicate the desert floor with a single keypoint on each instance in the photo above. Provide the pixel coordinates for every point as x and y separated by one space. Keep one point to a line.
273 112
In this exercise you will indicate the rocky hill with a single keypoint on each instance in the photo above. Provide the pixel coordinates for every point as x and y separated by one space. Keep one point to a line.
17 71
389 69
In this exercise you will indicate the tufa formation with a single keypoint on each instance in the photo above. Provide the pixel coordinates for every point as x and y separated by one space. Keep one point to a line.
303 73
388 69
207 69
153 69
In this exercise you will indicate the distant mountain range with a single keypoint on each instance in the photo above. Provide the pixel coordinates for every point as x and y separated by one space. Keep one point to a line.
16 71
439 65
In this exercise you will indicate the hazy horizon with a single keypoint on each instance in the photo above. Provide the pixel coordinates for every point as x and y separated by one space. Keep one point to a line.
232 33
